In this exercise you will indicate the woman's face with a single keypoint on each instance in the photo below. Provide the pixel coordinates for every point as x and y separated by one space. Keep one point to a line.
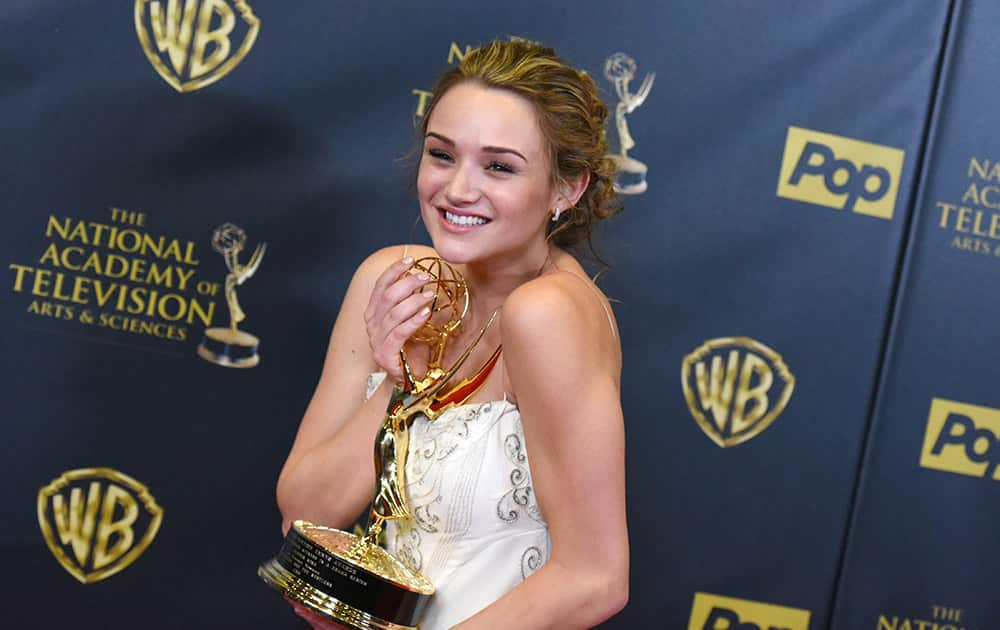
484 183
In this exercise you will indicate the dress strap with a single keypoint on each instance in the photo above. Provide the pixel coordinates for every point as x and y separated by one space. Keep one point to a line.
601 299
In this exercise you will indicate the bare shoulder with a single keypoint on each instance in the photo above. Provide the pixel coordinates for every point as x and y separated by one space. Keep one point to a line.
561 314
349 334
377 262
561 297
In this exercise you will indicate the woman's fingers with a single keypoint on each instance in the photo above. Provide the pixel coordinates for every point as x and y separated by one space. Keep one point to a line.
405 286
397 314
315 619
404 311
397 309
414 314
385 296
397 302
391 274
405 328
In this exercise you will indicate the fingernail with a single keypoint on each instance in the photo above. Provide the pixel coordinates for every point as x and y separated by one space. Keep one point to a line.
425 311
428 294
424 276
408 260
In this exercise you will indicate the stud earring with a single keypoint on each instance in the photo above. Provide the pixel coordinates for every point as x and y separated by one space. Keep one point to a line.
555 215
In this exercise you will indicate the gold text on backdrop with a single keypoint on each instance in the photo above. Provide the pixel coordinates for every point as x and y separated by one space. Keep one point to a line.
940 618
116 275
840 173
712 612
963 439
974 218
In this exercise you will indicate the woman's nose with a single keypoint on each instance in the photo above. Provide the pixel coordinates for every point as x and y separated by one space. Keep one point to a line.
461 189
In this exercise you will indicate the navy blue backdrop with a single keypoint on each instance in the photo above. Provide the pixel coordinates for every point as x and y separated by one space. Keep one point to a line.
803 292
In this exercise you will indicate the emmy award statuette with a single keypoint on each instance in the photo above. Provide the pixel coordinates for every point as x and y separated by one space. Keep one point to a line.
350 578
620 69
232 347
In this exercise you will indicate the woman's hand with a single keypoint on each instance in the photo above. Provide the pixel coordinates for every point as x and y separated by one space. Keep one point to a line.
316 620
395 311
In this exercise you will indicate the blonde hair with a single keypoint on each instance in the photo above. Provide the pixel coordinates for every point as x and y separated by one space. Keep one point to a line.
571 117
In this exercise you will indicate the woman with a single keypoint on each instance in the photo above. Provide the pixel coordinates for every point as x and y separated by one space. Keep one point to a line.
513 171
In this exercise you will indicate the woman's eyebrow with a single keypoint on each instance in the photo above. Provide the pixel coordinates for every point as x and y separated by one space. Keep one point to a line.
504 150
486 149
444 139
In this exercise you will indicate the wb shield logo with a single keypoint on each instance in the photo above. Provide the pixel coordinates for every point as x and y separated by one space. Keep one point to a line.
962 439
840 173
97 521
194 43
715 612
735 388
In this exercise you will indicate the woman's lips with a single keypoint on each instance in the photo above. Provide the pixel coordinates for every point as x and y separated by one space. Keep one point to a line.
460 222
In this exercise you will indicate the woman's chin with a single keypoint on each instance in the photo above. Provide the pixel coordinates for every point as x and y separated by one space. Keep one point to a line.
455 259
455 253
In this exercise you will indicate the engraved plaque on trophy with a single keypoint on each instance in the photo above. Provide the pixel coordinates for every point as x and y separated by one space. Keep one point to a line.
350 578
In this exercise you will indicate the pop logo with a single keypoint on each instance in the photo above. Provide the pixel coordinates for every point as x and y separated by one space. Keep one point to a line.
963 439
840 173
738 381
715 612
190 42
97 521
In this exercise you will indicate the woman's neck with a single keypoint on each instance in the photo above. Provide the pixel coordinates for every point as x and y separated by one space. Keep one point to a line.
491 282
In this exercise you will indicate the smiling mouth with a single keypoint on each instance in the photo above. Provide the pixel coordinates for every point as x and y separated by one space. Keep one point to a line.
463 220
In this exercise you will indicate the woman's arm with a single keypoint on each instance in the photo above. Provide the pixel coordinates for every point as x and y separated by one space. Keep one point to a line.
329 476
564 364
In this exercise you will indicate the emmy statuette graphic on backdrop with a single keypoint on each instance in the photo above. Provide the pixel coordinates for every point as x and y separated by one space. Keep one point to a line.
232 347
620 69
351 578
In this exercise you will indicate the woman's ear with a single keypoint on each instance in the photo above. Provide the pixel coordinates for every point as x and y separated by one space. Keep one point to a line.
569 191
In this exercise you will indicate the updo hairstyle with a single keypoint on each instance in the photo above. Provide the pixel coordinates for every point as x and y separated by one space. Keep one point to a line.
571 117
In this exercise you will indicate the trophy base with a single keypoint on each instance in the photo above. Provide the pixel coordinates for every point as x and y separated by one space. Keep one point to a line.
229 348
631 176
286 583
318 567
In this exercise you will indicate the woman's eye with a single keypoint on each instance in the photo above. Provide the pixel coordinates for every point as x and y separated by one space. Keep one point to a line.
499 167
438 154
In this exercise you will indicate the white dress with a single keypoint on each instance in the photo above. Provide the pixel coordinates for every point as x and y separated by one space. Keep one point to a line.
476 530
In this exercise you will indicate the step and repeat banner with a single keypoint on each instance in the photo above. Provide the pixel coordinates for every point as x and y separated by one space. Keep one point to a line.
801 277
923 540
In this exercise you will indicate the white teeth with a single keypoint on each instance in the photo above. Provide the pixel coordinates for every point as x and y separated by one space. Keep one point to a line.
459 219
